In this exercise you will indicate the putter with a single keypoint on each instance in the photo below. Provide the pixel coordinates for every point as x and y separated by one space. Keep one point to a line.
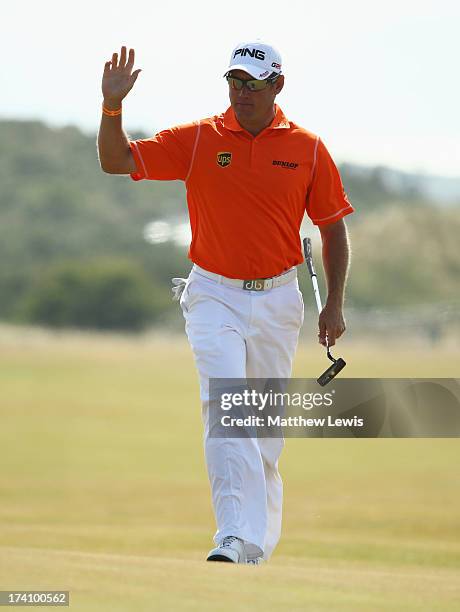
338 364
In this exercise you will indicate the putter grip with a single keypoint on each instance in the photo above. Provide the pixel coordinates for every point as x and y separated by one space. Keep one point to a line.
308 256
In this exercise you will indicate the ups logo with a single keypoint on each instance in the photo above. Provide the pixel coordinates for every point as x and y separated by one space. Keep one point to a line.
224 159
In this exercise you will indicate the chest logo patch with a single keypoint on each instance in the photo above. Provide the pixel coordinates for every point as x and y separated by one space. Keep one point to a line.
285 164
224 159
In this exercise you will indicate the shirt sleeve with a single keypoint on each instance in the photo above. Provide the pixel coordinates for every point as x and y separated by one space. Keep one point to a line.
327 201
167 156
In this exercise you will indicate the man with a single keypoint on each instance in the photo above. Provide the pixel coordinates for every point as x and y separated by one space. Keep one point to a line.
250 175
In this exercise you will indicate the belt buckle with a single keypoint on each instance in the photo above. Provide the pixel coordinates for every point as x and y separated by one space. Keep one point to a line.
258 284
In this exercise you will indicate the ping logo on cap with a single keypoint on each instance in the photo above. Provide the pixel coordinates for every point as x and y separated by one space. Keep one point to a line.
256 53
224 159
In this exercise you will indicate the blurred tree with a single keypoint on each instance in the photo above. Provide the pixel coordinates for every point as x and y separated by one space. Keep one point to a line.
102 294
57 205
405 256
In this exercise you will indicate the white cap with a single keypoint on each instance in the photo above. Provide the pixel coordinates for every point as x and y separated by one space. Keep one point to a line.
257 58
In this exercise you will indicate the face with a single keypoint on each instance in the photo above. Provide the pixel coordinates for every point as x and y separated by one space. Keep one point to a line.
253 106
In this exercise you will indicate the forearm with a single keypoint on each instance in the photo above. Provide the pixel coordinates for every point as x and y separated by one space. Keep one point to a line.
336 258
112 141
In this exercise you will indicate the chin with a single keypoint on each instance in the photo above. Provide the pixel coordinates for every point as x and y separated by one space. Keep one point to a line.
244 111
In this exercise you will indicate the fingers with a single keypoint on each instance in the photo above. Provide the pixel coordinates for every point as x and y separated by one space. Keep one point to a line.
328 335
322 331
122 64
134 76
122 58
130 63
340 328
331 325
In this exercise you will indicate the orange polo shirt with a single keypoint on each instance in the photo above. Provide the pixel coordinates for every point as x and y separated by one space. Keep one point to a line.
246 195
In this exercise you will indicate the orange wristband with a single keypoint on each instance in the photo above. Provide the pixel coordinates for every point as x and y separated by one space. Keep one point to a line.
111 113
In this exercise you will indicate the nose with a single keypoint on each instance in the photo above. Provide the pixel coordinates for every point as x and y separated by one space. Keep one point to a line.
243 92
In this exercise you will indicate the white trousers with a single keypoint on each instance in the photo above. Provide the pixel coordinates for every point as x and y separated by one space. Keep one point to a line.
236 333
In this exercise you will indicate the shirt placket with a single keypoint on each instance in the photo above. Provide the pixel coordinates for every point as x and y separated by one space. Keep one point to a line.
254 142
251 152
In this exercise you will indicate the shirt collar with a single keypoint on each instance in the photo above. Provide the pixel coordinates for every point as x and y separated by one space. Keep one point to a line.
231 123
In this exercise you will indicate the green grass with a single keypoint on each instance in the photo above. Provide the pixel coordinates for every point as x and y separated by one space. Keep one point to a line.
104 491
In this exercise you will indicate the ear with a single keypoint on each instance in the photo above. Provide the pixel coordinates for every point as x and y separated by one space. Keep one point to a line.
279 84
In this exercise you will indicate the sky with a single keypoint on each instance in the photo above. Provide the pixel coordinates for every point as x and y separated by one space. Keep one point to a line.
378 81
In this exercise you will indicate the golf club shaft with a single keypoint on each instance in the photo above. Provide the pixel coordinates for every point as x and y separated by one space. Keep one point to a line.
311 269
314 280
339 363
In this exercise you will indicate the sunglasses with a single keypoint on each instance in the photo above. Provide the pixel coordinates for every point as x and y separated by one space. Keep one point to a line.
251 84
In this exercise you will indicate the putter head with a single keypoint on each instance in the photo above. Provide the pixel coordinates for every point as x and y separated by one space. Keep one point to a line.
331 372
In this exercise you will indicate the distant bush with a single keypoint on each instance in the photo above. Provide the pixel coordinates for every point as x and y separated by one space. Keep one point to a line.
405 256
56 204
100 294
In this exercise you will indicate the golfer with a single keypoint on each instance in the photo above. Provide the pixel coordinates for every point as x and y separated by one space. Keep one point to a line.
251 174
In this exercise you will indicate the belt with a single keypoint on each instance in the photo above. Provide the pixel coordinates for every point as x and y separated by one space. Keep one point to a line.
255 284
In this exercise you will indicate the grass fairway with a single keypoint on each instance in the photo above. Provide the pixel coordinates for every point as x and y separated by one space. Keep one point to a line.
104 490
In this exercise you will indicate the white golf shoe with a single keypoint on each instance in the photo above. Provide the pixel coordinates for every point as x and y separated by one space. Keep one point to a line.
230 550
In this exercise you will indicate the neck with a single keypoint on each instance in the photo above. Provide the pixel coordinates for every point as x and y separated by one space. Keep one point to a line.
256 126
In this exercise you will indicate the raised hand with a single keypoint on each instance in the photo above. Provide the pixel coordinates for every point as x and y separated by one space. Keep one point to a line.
117 80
